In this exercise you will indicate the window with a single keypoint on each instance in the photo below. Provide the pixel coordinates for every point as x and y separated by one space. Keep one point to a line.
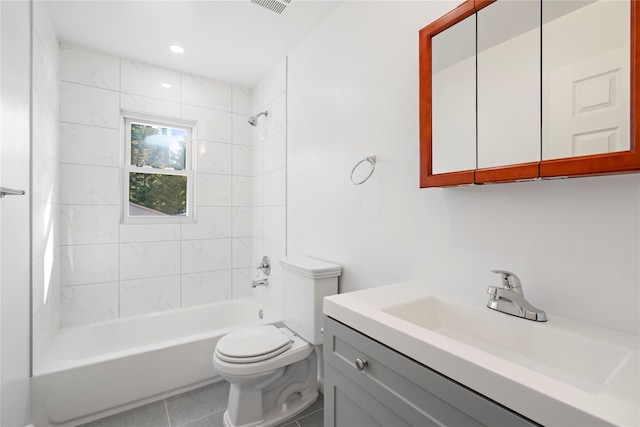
158 171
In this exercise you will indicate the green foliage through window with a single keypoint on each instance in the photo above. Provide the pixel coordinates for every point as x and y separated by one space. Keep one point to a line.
158 173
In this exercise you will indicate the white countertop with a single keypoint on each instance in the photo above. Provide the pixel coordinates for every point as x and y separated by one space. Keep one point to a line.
550 400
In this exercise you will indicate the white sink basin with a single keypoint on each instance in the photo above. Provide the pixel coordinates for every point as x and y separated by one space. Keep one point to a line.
582 361
557 373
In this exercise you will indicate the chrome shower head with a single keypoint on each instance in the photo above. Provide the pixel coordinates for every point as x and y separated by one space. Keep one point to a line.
253 120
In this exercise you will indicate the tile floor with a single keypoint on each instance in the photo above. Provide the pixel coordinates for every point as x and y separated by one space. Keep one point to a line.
202 407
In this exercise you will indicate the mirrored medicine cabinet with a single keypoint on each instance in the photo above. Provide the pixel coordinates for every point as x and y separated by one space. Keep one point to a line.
520 90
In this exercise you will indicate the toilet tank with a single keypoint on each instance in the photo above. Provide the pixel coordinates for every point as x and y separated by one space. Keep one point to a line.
306 281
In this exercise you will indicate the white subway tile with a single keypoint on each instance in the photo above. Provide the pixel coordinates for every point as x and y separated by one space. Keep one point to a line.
89 145
147 105
259 190
243 252
258 158
81 185
275 152
212 125
213 190
277 120
206 255
242 130
144 296
149 259
275 223
88 224
214 157
242 222
258 221
130 233
89 105
206 287
88 303
45 181
46 122
242 100
242 187
242 160
275 186
204 92
143 79
88 67
83 264
212 223
242 282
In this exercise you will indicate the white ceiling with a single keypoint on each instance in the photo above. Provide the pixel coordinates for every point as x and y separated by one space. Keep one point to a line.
233 41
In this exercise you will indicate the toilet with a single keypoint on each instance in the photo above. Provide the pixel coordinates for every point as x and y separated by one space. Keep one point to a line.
273 371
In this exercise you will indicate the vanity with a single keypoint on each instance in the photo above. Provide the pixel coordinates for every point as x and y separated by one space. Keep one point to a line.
409 355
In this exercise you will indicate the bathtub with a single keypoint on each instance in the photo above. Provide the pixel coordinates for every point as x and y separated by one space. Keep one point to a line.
99 369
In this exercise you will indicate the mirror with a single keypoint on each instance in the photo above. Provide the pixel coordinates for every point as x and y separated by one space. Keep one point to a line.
586 63
508 75
557 92
453 97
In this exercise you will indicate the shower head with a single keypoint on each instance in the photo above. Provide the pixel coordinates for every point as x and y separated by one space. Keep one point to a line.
253 120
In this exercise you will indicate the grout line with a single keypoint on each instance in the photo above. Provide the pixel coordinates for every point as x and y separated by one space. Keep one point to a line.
200 418
166 409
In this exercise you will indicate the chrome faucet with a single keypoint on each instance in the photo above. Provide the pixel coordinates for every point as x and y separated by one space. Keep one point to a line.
510 299
265 267
262 282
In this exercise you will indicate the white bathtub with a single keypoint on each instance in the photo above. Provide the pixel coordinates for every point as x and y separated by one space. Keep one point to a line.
102 368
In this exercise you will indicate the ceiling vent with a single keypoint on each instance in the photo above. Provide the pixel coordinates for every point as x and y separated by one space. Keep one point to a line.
277 6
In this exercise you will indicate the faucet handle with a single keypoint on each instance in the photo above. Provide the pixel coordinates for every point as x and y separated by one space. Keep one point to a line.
509 279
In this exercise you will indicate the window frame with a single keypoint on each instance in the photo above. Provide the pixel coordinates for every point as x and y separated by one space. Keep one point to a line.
189 171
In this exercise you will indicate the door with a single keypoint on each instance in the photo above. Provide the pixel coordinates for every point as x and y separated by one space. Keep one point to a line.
15 265
589 107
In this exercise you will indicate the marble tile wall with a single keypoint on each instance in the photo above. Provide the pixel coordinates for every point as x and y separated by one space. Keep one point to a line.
45 184
269 158
111 270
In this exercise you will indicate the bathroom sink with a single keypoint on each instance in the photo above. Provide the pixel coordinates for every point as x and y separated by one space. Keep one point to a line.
558 372
582 361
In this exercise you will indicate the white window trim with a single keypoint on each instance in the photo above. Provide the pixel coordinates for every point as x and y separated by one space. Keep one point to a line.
189 171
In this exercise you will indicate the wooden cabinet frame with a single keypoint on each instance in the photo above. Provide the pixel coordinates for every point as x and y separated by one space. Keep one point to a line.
598 164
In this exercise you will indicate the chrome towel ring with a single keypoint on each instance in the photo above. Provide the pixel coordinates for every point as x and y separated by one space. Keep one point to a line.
372 163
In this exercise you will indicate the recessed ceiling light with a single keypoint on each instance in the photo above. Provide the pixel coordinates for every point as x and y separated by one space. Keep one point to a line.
165 85
176 48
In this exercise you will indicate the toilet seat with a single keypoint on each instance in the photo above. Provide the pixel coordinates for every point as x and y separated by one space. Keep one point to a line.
252 345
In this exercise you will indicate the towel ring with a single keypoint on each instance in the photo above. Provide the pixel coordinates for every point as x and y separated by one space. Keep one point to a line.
372 161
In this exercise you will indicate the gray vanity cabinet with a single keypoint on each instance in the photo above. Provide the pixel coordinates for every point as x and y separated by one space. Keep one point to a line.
367 384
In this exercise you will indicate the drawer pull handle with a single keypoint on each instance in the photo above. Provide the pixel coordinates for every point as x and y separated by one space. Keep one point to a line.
361 364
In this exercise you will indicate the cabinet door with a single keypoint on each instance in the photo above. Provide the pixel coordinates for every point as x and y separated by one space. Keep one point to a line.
393 390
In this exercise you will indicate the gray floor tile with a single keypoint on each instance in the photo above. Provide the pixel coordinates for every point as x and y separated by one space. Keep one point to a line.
198 403
151 415
213 420
318 404
315 419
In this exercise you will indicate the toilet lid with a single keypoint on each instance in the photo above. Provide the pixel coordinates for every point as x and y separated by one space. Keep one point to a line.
252 344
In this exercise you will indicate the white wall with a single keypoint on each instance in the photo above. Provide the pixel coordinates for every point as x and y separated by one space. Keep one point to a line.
269 182
353 92
111 270
15 28
45 222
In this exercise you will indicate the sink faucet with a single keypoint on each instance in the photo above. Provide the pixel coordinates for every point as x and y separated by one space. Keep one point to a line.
510 299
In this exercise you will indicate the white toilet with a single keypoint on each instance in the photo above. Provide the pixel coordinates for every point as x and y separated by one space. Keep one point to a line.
273 371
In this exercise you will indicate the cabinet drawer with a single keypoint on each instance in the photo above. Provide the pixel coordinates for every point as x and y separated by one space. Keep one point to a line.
419 395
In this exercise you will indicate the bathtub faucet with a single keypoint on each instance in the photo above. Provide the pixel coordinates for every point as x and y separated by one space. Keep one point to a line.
262 282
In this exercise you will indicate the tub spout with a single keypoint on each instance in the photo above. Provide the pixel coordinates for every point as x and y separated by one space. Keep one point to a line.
263 282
